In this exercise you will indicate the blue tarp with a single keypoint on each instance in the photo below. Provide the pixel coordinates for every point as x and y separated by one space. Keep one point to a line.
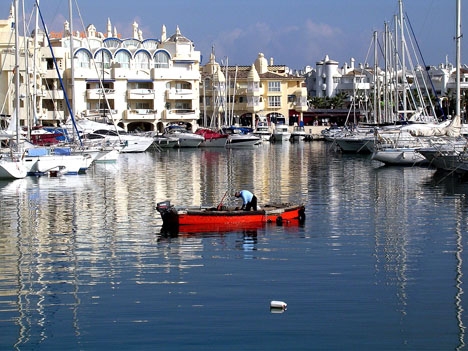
39 151
62 151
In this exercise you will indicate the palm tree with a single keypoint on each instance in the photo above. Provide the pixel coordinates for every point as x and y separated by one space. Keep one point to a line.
339 100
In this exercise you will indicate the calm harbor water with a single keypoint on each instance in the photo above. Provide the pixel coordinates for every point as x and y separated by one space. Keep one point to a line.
378 264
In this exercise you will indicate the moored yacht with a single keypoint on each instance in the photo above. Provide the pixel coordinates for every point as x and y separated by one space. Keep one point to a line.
298 133
212 137
281 133
262 129
185 137
240 137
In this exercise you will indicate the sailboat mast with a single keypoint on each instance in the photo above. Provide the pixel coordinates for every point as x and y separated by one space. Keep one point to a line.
36 45
17 73
376 83
458 57
402 53
72 63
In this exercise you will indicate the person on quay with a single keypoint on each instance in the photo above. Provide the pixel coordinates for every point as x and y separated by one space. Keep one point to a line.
249 200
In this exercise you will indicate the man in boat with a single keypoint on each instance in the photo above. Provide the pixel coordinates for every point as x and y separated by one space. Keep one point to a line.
249 200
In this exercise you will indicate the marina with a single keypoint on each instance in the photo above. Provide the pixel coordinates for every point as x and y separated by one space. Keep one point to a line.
377 264
156 197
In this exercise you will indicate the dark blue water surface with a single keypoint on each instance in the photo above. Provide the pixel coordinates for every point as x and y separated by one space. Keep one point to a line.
378 264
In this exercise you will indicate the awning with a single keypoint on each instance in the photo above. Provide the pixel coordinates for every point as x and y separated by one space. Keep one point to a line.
140 81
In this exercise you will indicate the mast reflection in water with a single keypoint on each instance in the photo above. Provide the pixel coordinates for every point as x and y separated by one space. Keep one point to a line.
85 264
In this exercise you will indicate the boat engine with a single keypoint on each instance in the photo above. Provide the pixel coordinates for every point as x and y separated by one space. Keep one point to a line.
163 206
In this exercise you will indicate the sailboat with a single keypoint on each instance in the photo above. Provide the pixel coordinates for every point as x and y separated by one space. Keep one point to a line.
12 165
54 160
399 144
450 154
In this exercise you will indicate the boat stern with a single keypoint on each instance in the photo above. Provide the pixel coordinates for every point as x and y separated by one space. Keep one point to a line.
168 214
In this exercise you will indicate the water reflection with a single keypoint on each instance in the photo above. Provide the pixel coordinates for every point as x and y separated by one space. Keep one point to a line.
73 248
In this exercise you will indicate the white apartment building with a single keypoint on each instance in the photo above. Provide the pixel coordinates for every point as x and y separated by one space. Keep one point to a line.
329 80
142 84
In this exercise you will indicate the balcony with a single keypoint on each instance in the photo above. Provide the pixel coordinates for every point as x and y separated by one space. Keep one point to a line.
179 114
55 94
179 94
255 106
96 94
140 94
139 114
105 113
48 115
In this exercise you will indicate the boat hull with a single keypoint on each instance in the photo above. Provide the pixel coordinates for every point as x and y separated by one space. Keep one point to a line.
10 169
177 217
399 156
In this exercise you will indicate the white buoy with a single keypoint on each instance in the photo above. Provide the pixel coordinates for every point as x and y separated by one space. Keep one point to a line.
278 305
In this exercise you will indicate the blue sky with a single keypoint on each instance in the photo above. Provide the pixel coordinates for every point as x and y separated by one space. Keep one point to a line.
294 33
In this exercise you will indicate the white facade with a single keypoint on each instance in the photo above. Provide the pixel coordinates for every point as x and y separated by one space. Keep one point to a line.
143 84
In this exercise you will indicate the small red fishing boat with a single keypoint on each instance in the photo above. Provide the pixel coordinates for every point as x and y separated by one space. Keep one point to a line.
221 215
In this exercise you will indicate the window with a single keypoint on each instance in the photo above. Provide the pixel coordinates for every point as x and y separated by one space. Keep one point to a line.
183 86
83 59
142 60
50 63
142 105
161 60
274 101
274 86
123 57
252 86
102 56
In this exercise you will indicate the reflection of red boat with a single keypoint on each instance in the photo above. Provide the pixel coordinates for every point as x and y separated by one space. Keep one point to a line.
212 229
213 216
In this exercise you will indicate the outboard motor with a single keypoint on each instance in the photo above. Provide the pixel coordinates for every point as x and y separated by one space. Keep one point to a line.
163 206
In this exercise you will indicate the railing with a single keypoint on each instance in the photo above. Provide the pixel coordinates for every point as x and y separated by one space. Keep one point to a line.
179 114
179 94
101 112
140 114
141 94
54 94
100 93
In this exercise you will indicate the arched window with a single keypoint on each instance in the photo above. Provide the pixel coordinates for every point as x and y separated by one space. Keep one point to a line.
112 43
103 57
123 57
161 59
131 43
83 58
150 44
142 59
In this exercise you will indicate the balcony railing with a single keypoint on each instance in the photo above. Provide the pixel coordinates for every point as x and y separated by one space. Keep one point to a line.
179 94
100 93
54 94
141 94
179 114
140 114
101 112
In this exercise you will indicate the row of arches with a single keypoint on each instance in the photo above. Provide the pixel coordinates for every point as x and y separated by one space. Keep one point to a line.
103 57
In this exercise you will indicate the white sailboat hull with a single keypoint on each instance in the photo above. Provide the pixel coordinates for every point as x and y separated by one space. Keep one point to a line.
399 156
11 169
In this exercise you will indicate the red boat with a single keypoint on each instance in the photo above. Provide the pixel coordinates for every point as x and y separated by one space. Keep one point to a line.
222 215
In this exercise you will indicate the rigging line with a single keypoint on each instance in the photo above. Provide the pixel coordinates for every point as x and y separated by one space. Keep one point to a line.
96 69
58 73
424 63
412 39
10 42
